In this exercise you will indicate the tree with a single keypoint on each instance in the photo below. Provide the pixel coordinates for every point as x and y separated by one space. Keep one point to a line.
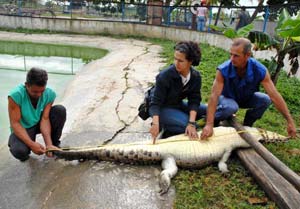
258 9
286 42
231 33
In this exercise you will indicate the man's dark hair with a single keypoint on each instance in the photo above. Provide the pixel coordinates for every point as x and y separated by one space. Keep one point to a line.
191 50
37 76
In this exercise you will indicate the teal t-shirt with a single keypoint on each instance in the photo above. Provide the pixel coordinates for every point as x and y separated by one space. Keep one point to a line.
30 116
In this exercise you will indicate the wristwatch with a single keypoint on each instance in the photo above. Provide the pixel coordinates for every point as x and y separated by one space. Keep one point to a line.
193 123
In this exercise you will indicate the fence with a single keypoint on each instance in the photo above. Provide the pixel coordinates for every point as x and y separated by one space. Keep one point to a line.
153 13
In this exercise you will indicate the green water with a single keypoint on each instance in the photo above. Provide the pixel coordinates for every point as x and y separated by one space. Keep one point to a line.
61 62
87 54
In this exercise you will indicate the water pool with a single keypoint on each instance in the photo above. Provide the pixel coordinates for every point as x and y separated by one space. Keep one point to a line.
61 62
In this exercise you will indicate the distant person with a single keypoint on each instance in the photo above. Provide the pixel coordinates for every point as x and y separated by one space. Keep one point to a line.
31 112
175 103
243 19
237 86
202 16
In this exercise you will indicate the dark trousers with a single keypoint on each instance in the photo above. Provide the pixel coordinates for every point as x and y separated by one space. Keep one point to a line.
174 121
57 120
256 106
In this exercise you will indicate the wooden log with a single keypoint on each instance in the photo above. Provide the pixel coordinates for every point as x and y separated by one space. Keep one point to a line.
279 166
278 189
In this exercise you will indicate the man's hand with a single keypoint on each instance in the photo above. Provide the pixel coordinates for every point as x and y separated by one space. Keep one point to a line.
191 132
37 148
207 131
291 130
154 131
49 148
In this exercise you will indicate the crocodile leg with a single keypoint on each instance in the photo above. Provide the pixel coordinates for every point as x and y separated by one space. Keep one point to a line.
222 163
169 171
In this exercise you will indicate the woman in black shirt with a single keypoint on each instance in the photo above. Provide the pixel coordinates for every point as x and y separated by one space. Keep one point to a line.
173 85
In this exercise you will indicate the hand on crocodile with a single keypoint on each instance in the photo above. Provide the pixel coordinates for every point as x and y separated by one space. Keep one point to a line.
191 132
154 131
207 131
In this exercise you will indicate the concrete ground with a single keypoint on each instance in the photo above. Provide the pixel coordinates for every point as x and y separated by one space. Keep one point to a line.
101 104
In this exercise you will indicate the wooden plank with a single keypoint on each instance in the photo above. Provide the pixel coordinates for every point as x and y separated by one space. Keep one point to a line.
278 189
279 166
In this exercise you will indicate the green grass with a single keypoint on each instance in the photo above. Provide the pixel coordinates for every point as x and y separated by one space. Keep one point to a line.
207 187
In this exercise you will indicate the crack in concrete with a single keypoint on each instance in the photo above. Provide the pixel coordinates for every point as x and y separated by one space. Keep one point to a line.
48 197
127 71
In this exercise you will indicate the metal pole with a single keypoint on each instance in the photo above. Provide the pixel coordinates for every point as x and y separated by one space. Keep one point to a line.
24 63
267 14
123 10
71 5
210 18
169 16
19 7
72 65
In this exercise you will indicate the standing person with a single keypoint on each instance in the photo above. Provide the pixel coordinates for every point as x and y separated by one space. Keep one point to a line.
31 112
202 16
237 86
174 84
243 19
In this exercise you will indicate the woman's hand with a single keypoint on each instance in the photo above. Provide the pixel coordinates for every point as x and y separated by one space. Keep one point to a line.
191 132
154 131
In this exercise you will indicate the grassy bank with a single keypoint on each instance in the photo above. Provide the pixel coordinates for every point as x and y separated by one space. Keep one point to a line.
208 188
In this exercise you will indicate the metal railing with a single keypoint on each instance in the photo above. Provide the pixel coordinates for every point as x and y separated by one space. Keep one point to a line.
179 16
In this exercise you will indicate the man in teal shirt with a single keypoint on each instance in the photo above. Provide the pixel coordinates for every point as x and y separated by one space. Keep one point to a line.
30 113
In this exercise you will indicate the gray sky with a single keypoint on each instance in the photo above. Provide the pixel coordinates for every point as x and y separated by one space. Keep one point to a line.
248 3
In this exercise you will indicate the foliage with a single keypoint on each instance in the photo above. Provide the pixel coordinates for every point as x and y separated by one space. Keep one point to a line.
231 33
288 32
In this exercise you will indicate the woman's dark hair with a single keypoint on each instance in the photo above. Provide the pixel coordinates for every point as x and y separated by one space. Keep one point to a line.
191 50
37 76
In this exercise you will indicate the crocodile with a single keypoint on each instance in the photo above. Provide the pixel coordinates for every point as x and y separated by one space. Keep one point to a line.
171 152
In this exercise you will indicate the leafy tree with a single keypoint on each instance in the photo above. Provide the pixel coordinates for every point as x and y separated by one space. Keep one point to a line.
286 42
257 10
231 33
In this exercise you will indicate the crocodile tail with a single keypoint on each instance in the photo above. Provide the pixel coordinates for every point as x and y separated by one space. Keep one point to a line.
84 154
272 137
125 154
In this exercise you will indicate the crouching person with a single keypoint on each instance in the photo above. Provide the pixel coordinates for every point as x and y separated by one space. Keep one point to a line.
30 113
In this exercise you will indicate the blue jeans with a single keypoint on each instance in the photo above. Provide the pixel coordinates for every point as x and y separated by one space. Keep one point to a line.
201 23
256 106
175 120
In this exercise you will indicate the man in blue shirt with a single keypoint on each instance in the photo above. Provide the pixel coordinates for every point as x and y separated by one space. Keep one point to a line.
237 86
31 112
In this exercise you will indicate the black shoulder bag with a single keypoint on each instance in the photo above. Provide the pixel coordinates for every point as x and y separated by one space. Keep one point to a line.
144 107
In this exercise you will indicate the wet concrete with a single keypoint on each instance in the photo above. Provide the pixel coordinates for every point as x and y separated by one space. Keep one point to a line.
102 103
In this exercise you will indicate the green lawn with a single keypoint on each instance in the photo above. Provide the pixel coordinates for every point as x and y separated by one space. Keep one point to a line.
208 188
